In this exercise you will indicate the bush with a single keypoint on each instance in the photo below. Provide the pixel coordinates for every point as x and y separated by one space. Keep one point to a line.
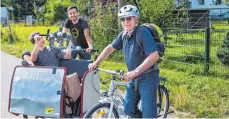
223 52
104 26
57 11
7 37
156 11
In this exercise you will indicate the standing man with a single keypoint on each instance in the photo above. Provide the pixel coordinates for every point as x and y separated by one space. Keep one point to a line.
143 73
79 29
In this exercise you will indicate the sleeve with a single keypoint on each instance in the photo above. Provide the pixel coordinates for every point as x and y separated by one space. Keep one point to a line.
25 53
146 39
118 43
67 23
59 53
85 24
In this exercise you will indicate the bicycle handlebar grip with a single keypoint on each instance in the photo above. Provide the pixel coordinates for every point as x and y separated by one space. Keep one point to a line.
121 73
44 35
95 50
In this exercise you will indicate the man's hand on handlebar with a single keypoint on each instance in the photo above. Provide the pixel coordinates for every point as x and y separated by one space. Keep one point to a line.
129 75
89 49
92 66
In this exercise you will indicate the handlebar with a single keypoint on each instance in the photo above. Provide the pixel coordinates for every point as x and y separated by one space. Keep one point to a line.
79 49
44 35
118 73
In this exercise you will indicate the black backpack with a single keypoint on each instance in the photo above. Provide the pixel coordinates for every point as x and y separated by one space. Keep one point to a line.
157 35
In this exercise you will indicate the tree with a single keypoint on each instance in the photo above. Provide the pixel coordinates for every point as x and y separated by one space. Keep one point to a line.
223 52
56 10
22 8
156 11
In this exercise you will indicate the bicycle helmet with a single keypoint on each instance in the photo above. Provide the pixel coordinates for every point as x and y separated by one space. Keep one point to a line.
128 10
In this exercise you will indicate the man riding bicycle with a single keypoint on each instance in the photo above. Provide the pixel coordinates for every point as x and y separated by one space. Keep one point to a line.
143 75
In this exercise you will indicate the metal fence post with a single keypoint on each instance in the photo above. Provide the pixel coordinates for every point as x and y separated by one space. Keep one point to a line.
207 49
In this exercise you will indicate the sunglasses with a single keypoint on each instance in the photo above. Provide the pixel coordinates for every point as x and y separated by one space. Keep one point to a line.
126 18
39 38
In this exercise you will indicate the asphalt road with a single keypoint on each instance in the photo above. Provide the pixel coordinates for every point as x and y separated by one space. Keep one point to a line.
8 62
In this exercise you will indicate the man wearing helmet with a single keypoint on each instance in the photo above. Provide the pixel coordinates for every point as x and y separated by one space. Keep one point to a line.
143 73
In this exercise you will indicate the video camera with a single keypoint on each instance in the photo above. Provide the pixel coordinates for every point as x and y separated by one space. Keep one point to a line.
58 37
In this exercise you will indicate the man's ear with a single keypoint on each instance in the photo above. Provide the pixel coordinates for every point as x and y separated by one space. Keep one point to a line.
137 19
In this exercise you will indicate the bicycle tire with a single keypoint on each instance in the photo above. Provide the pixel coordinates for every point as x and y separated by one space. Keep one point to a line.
162 108
92 110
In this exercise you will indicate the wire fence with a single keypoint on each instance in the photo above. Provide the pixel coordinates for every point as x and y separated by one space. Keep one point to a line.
195 51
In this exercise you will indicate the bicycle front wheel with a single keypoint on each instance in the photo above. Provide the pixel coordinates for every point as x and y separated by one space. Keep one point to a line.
162 101
101 110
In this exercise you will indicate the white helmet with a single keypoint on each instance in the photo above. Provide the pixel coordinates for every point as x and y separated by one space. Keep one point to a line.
128 10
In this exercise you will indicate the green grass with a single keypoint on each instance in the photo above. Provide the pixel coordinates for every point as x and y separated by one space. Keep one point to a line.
198 95
222 24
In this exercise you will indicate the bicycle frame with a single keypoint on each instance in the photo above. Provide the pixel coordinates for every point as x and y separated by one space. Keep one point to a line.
114 94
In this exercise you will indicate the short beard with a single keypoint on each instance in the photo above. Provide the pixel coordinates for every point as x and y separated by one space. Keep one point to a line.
75 18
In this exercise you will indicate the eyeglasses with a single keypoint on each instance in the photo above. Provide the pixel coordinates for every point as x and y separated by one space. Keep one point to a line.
126 18
39 38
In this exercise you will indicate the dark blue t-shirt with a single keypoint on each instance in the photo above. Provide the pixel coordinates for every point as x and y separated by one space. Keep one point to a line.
132 50
49 57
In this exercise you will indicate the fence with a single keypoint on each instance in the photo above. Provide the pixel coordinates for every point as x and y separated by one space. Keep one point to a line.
193 40
195 51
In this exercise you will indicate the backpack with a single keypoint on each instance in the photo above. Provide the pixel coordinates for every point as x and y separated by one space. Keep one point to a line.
157 34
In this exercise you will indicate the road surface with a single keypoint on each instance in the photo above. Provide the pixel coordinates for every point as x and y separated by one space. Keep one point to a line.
8 62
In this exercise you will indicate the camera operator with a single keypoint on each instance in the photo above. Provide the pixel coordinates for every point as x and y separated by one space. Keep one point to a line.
42 55
79 29
50 56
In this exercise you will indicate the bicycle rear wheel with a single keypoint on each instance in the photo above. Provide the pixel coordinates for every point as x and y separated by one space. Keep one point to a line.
101 110
162 101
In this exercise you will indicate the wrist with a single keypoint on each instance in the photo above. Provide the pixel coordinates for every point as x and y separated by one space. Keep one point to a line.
137 71
96 63
36 48
90 46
